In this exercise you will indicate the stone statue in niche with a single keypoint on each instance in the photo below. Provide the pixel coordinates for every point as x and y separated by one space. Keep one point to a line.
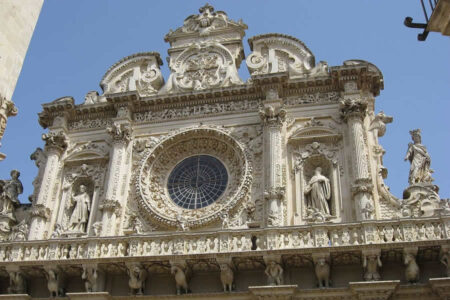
412 270
81 204
417 154
181 279
318 193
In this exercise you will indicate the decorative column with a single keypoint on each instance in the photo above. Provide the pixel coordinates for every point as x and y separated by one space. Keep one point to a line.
353 110
7 109
111 205
55 145
273 117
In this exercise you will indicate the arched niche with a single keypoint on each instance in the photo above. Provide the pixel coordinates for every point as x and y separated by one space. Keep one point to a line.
311 146
74 175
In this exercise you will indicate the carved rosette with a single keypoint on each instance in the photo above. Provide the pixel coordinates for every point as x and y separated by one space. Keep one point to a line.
151 192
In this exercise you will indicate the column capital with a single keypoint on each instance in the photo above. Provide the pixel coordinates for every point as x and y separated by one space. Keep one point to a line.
353 108
120 132
272 116
110 205
55 141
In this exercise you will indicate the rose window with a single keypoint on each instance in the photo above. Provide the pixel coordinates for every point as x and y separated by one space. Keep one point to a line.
197 181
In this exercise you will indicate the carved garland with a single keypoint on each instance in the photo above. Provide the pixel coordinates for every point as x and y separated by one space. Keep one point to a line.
156 165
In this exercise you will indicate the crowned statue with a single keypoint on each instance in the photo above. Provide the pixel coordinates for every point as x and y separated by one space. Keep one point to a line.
417 154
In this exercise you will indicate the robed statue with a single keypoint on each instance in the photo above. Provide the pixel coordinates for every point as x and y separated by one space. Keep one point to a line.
81 204
10 191
417 154
318 192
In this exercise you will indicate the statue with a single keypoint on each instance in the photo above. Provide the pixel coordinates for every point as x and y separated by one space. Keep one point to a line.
227 277
412 269
17 283
53 280
19 232
322 269
371 264
417 154
318 192
137 275
81 206
181 279
181 222
274 273
445 260
89 277
10 191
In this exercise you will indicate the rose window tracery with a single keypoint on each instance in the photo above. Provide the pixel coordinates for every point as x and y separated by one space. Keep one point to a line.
197 181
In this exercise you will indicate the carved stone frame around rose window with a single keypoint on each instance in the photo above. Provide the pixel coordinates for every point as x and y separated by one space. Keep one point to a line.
157 163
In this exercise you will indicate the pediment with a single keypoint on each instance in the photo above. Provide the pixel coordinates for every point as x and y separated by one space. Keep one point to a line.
138 72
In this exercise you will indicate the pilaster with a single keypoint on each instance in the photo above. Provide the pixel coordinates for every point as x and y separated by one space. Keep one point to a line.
273 118
114 201
55 145
353 111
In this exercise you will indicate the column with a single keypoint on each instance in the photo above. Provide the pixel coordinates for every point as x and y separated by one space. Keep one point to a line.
120 133
353 111
55 145
273 118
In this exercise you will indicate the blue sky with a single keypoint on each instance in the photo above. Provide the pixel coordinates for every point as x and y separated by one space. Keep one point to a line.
76 41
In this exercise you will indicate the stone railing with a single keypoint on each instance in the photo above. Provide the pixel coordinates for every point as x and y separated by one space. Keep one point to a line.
246 242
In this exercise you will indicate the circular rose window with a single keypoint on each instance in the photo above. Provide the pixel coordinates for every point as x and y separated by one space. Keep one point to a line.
197 181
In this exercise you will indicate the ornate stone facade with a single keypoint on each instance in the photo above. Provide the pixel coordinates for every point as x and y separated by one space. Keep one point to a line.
206 184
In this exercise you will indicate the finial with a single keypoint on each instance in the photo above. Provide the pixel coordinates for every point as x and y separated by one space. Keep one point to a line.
206 7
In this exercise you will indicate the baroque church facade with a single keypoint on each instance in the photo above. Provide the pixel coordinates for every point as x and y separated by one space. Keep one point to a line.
206 186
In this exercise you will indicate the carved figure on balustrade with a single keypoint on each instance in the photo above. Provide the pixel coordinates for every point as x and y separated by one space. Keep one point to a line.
274 273
420 160
318 193
137 276
371 263
227 277
79 216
